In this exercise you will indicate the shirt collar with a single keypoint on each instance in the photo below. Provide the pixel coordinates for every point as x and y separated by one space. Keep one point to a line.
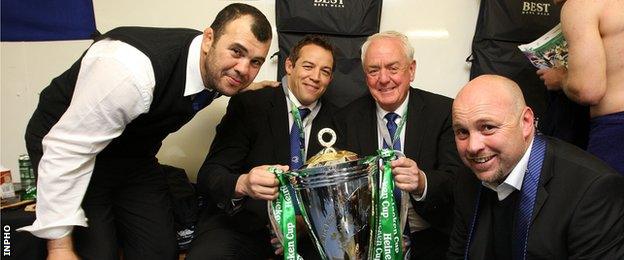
381 113
514 179
194 83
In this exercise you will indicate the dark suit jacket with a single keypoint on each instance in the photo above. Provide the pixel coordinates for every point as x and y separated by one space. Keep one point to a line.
254 131
578 214
429 141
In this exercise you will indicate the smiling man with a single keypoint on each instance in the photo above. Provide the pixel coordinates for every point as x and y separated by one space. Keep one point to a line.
273 126
413 121
528 196
94 136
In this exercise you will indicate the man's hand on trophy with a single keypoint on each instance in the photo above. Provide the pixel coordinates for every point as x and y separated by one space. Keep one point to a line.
277 245
259 183
407 176
275 242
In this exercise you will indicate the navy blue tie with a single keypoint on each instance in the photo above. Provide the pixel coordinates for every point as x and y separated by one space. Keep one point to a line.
392 127
297 144
202 99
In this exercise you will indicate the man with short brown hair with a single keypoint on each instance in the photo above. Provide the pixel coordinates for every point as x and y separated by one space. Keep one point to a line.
94 136
276 126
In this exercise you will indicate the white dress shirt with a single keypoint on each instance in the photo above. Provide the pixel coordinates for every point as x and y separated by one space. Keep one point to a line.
514 179
315 107
415 221
114 86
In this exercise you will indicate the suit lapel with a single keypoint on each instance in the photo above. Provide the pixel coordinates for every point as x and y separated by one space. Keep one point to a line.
366 120
415 121
545 176
278 123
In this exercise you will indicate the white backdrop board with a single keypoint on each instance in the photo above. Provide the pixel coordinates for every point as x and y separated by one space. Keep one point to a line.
440 31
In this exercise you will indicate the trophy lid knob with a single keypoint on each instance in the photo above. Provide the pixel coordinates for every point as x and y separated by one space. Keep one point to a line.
329 155
332 139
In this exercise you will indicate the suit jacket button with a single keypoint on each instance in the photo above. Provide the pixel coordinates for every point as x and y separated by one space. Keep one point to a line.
221 205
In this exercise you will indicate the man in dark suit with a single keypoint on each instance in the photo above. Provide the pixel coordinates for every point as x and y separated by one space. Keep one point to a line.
422 131
253 134
535 197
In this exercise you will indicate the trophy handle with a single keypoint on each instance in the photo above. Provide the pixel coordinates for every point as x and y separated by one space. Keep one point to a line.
405 200
274 228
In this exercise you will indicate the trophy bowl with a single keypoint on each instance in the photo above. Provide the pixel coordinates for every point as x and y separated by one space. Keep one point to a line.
336 202
336 193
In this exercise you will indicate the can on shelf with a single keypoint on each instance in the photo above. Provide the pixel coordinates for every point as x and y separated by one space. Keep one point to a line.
27 175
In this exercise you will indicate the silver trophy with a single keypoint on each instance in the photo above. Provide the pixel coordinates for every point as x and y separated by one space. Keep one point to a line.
335 191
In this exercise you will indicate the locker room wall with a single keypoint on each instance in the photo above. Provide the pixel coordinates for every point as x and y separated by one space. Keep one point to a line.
440 31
